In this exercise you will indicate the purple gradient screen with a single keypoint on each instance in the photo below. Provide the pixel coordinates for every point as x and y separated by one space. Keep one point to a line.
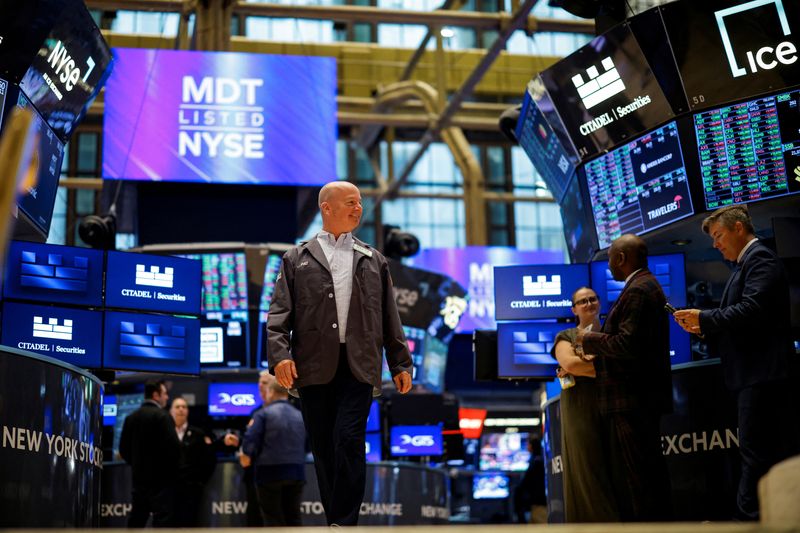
473 268
220 117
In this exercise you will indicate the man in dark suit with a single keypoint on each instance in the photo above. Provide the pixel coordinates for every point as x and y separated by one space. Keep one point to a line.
634 383
332 315
150 445
751 333
195 465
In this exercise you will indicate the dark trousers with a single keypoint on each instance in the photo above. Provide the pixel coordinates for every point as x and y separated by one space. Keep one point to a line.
335 416
767 435
156 500
280 502
638 470
253 515
188 498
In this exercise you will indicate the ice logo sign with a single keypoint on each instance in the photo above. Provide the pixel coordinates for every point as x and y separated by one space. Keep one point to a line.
541 287
599 87
236 399
154 278
51 330
767 57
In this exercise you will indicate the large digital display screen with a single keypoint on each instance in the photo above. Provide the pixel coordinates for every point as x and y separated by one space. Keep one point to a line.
640 186
224 339
54 274
220 117
576 217
670 271
232 399
504 451
750 151
405 441
153 283
224 281
537 291
39 199
71 66
271 271
727 50
151 343
606 93
372 447
71 335
523 349
473 268
543 147
489 486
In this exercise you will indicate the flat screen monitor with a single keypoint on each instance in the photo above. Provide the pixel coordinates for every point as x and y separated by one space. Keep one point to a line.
151 343
537 291
38 201
221 117
544 149
374 417
640 186
70 335
54 274
434 364
126 404
69 70
576 217
670 271
750 151
372 445
153 283
407 441
4 87
109 409
727 51
504 451
271 271
224 339
490 486
523 349
606 93
232 399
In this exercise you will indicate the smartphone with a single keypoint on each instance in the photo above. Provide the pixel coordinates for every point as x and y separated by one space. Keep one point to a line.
669 309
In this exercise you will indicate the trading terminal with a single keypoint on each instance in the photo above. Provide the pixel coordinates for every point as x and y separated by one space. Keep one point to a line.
171 152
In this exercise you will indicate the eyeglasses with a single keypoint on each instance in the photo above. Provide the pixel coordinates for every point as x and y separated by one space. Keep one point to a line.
586 301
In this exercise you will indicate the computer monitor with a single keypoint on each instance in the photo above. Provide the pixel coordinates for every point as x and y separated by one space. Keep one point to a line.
523 349
232 398
109 409
126 404
490 486
408 441
54 274
434 364
151 343
71 335
748 151
271 271
504 451
640 186
148 282
372 446
537 291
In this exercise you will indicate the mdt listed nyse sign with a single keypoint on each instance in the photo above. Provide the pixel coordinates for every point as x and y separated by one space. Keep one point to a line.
221 117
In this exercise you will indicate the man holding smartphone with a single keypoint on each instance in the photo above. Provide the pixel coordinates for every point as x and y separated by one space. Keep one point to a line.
751 333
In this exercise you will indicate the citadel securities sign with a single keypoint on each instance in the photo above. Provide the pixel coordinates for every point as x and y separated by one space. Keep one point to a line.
220 117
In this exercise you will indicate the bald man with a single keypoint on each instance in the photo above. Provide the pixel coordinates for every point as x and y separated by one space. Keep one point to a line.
634 384
331 317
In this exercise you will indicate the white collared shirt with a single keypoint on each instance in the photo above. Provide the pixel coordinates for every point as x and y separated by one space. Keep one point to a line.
339 253
750 243
632 274
181 430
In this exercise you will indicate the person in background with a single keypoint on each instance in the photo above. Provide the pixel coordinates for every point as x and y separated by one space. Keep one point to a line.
751 333
530 496
253 515
332 316
634 382
276 443
588 495
195 465
150 445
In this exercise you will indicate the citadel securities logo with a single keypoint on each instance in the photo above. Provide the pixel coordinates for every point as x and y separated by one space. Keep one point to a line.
599 87
541 287
218 117
767 57
52 330
155 278
665 209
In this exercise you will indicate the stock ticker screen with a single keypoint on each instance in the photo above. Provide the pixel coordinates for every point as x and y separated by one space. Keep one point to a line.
750 151
640 186
271 271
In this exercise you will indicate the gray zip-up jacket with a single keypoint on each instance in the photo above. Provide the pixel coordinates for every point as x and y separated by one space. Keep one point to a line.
302 321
